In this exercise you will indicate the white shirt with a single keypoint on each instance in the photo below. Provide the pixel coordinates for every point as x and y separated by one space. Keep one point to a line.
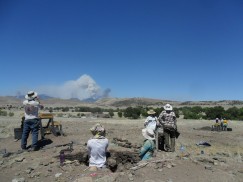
150 122
31 109
97 151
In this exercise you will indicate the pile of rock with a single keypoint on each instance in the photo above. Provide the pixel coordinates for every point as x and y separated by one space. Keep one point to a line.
125 143
124 157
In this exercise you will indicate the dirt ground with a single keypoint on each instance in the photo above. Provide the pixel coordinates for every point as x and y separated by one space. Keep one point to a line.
222 161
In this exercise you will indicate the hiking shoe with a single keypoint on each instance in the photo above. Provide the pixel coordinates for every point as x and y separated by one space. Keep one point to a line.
32 149
24 148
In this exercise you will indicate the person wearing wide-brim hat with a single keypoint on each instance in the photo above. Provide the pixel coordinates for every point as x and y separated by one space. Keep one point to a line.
167 120
97 147
151 120
148 147
31 122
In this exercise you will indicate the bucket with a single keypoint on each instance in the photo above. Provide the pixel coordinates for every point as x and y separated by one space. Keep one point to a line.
18 133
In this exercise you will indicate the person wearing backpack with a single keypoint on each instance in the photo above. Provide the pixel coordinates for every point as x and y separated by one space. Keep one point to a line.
167 120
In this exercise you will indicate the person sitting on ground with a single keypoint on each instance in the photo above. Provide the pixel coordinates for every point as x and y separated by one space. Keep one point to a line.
217 124
151 120
31 120
148 147
97 147
224 124
167 120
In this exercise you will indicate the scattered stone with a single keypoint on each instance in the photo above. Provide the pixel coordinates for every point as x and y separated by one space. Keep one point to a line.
220 159
28 171
20 159
34 175
130 177
160 164
223 154
111 162
46 163
169 180
208 167
169 166
84 179
240 170
7 154
173 164
57 175
106 178
47 174
205 160
18 180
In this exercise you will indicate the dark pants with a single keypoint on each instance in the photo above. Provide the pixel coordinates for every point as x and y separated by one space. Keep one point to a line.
30 125
169 135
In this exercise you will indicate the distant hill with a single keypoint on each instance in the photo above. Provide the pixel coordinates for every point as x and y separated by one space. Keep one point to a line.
117 102
41 96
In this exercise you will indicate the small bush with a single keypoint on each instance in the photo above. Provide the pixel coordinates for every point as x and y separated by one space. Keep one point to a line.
11 114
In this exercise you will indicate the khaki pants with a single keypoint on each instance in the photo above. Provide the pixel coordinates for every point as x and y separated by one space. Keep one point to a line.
159 139
170 136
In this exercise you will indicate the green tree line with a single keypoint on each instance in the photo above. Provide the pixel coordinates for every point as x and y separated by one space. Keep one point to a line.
195 112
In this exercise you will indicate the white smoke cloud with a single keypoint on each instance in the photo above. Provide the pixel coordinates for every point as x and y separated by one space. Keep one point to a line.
82 88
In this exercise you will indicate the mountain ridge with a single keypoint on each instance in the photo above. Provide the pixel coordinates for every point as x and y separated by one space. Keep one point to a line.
118 102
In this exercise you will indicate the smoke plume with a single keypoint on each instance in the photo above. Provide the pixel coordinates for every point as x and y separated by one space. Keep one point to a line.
82 88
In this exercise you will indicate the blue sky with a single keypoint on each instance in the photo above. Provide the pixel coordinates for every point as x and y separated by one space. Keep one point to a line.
178 50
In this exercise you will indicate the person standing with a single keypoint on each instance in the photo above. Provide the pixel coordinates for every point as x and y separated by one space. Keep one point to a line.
97 147
167 120
148 147
32 121
151 120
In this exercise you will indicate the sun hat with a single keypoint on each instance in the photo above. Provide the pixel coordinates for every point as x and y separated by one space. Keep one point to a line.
151 111
31 95
168 107
98 129
148 133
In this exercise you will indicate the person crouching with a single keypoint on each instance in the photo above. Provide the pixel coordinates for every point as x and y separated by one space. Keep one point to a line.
148 147
97 147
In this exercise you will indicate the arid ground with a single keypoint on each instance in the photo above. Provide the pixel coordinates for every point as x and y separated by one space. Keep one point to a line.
222 161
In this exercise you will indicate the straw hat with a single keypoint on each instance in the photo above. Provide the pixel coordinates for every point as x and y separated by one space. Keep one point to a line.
31 95
98 129
168 107
148 133
151 111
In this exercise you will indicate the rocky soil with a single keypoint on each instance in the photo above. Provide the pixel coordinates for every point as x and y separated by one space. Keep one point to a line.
222 161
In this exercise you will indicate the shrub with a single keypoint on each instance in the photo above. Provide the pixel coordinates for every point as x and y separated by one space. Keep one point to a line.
11 114
119 114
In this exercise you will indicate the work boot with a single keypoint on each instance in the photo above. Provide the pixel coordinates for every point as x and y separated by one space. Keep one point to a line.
32 149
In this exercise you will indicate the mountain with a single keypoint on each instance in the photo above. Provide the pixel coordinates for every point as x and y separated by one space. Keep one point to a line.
48 101
41 96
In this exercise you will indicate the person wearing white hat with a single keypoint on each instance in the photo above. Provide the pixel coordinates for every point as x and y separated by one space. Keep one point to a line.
167 120
31 122
97 147
148 147
151 120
